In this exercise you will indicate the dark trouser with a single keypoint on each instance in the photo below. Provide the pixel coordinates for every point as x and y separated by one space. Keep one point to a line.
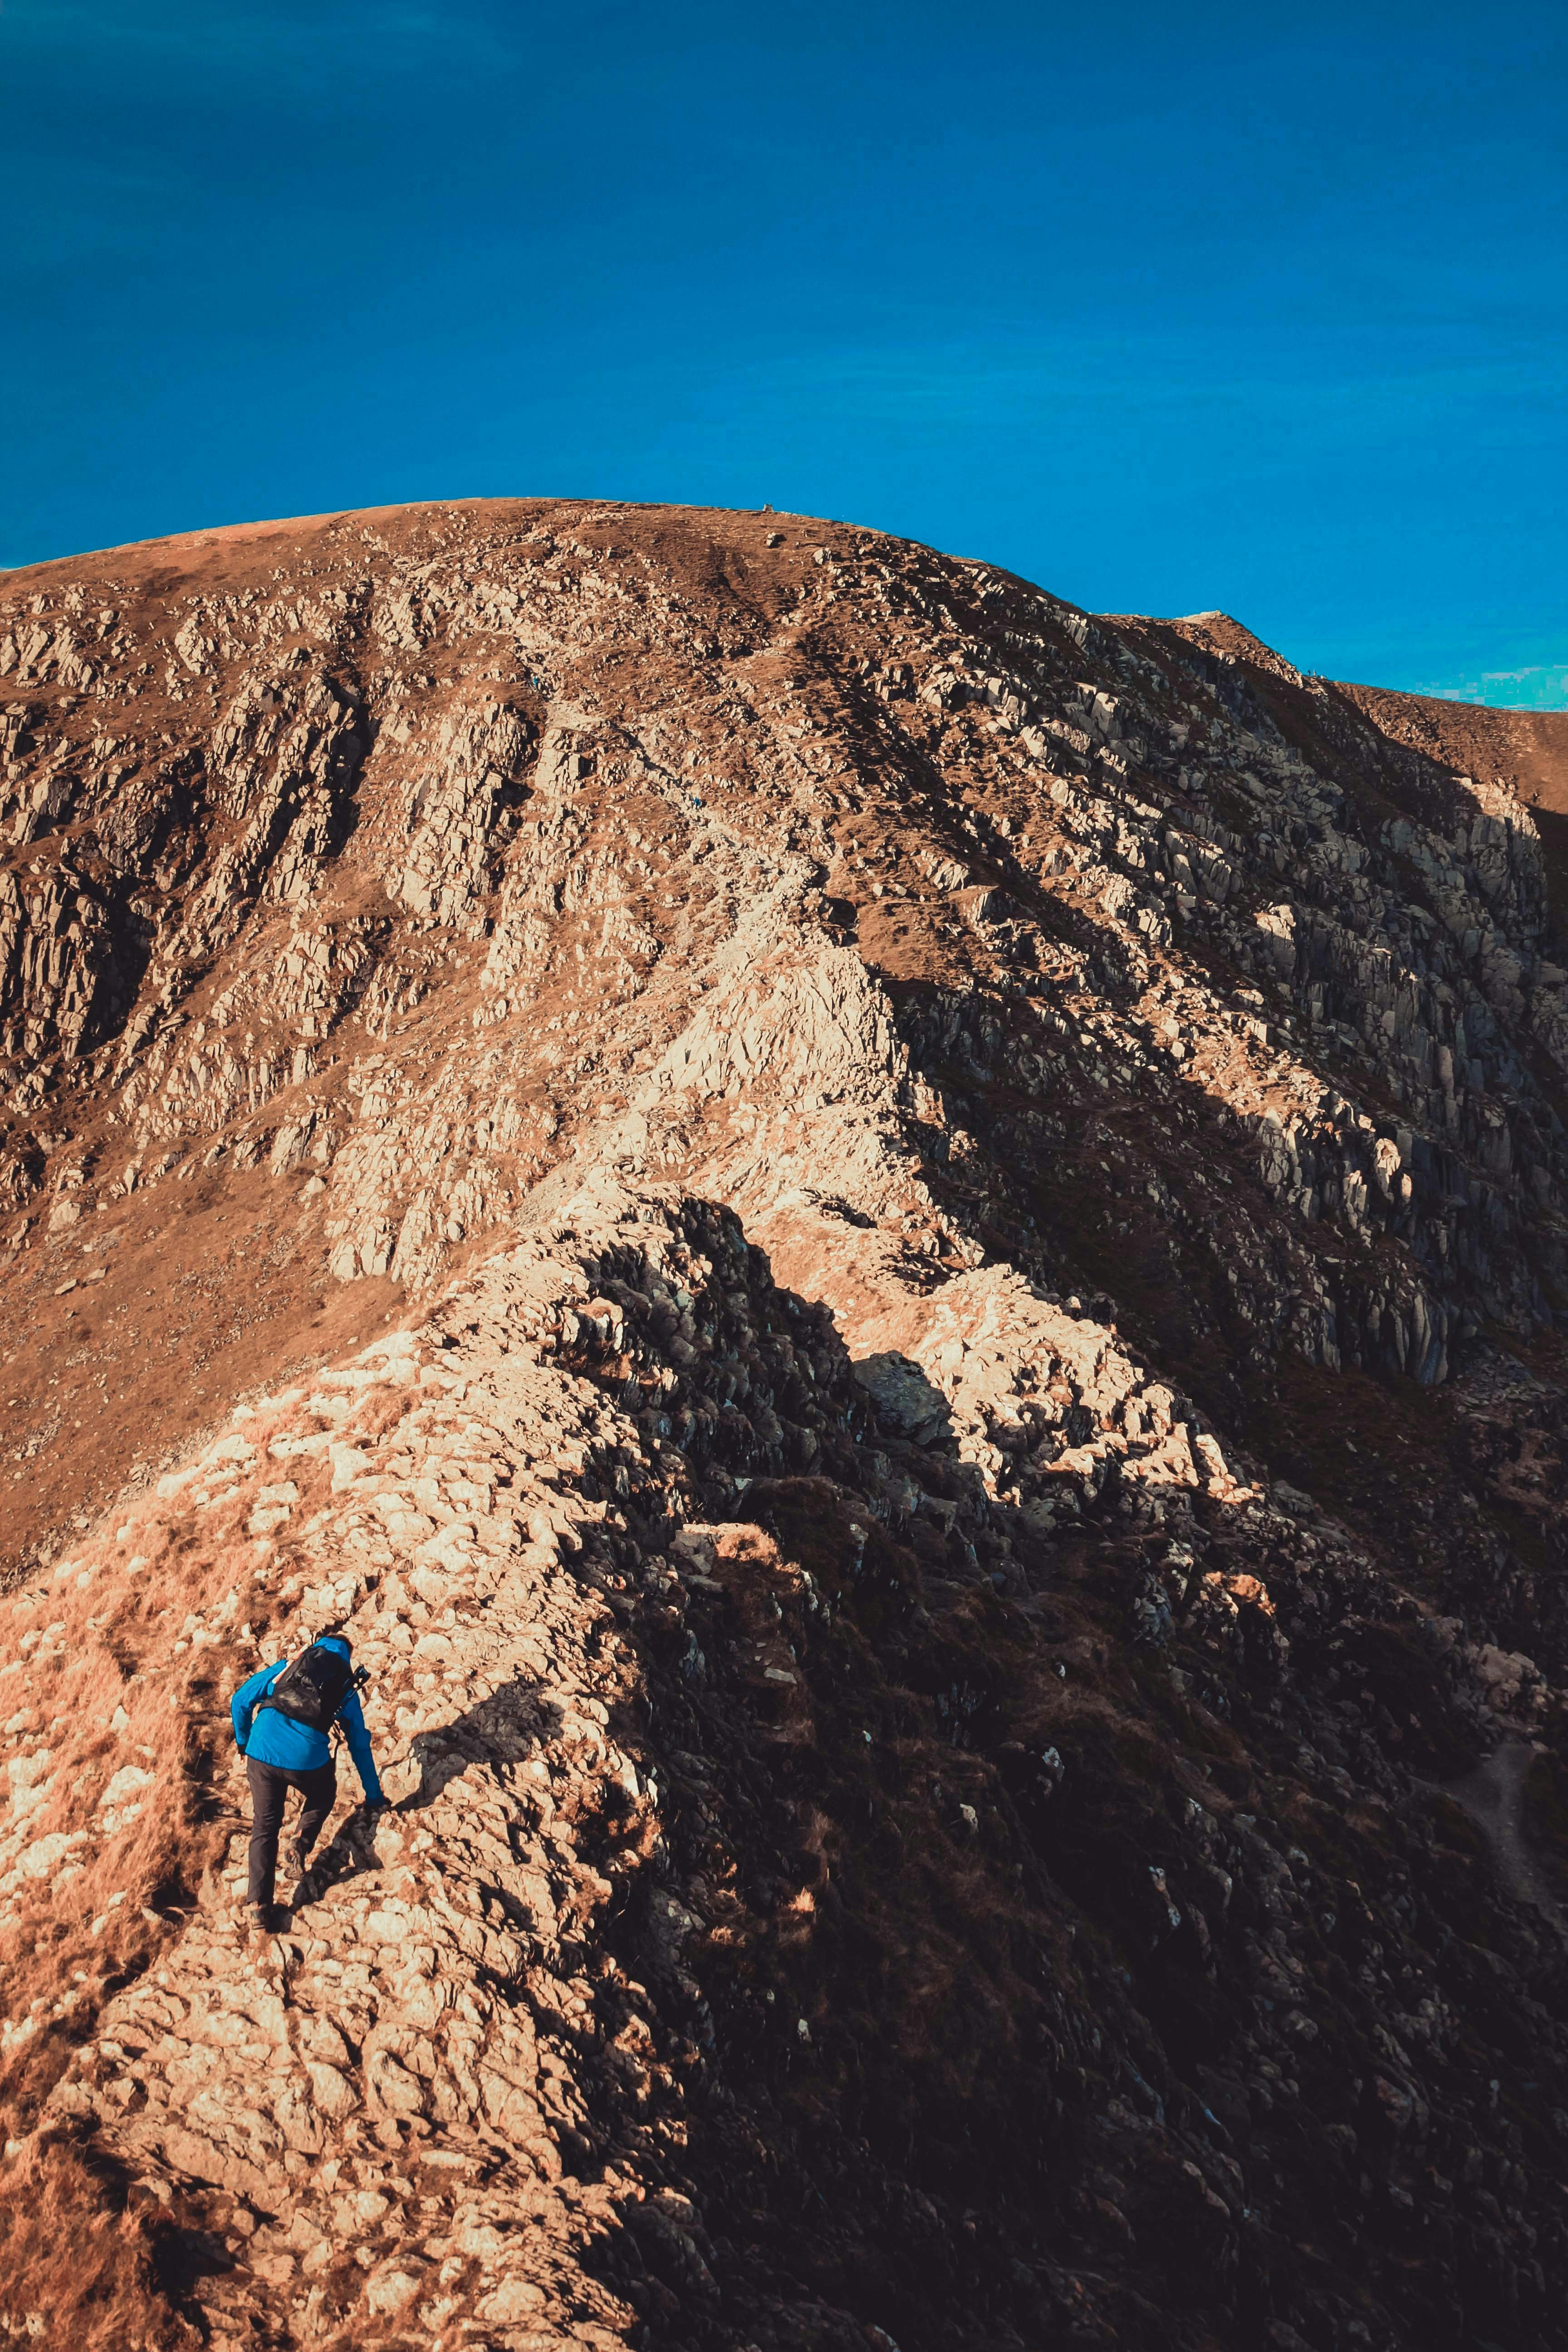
269 1787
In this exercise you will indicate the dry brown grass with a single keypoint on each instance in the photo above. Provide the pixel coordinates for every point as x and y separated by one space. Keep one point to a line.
105 1688
119 1673
108 1688
77 2265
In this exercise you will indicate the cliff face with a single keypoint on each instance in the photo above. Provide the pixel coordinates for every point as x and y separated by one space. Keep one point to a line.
903 1255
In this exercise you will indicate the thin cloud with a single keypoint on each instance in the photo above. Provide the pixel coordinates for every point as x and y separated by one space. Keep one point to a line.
283 36
1538 686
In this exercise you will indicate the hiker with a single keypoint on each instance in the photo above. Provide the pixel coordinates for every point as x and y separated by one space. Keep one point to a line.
282 1719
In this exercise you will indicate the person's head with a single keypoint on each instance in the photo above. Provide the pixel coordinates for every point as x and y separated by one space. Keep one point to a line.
335 1633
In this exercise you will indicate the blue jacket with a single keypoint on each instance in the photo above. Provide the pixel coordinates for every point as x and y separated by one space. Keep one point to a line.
261 1732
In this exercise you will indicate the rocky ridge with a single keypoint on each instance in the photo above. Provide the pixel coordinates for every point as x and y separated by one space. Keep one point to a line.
923 1787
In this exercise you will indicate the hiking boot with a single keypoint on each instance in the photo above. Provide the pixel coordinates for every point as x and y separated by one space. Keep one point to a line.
297 1857
267 1918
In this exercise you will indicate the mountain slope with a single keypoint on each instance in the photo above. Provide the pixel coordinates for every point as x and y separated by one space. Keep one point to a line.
1526 752
902 1252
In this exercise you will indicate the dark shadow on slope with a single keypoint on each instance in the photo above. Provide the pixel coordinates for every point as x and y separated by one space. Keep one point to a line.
905 1399
1553 826
505 1729
1493 1796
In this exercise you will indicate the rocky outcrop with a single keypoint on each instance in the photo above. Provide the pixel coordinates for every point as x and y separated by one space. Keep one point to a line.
663 1598
899 1254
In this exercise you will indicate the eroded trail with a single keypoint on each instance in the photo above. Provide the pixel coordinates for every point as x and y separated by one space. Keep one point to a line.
1493 1796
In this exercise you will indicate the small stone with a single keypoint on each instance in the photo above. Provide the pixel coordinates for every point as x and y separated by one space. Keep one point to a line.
392 2290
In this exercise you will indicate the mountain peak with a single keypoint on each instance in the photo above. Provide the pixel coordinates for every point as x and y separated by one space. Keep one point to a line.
899 1254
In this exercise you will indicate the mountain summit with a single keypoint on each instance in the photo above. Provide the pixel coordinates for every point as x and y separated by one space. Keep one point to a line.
899 1254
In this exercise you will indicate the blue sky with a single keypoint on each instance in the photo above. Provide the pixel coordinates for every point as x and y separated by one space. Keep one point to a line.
1165 307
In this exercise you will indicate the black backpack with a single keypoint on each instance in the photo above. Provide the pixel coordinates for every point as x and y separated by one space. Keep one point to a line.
312 1687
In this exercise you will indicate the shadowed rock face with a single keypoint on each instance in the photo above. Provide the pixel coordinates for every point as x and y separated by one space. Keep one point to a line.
899 1253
